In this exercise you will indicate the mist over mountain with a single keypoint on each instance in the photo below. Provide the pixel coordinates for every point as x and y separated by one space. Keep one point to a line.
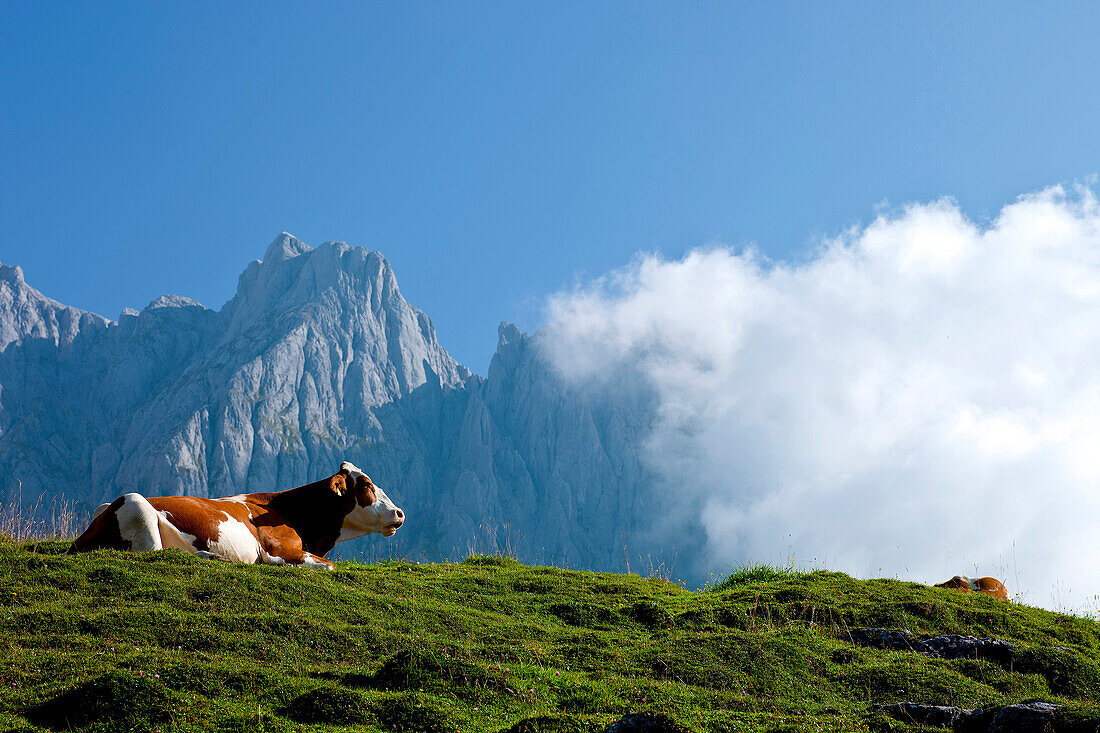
317 359
917 397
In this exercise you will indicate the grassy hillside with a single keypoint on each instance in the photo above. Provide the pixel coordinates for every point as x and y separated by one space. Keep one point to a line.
168 642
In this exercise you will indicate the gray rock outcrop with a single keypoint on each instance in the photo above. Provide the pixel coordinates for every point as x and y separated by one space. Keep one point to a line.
944 646
1025 717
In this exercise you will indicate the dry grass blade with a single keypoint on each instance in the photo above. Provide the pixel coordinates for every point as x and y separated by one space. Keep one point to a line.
62 520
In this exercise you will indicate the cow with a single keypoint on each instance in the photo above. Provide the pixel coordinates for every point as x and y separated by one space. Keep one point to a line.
989 586
294 527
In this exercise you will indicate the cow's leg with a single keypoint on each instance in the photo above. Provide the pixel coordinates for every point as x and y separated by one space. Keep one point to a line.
313 561
139 524
299 558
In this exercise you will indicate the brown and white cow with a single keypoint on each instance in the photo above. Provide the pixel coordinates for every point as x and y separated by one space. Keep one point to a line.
989 586
294 527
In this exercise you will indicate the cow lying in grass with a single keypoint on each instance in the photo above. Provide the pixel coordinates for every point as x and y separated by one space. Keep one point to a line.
294 527
966 584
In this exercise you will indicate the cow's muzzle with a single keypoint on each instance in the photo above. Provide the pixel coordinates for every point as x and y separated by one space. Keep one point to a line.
391 529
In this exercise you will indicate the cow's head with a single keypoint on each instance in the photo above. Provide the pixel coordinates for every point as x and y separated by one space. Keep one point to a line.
373 510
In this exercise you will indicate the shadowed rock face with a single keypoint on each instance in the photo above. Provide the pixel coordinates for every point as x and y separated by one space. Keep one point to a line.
1026 717
319 359
944 646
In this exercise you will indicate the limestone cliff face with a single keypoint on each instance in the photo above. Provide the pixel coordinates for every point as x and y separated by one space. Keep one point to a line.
317 359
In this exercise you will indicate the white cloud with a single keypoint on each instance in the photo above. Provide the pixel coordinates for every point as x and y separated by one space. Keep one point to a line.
922 396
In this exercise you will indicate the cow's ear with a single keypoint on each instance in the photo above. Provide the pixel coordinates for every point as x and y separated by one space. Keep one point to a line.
339 482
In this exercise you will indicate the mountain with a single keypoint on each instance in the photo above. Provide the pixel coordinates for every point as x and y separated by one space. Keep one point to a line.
318 358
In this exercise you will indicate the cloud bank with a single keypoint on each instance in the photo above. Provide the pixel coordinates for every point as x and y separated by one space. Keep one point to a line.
919 398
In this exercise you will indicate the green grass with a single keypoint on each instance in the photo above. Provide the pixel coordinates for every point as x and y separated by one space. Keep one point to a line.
759 573
168 642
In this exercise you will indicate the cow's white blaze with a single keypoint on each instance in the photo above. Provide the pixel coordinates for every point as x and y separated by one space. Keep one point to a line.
382 516
235 541
138 523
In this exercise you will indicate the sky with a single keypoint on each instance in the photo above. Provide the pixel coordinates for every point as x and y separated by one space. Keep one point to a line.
498 153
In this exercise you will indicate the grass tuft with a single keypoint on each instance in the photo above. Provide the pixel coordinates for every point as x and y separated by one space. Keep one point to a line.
328 705
114 701
414 670
758 573
649 613
411 712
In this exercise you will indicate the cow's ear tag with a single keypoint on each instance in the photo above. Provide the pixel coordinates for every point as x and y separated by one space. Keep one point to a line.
338 484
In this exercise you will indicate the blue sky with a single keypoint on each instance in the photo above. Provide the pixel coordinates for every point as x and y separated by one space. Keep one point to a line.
494 152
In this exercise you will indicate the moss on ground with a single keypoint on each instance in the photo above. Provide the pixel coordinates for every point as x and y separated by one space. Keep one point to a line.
168 642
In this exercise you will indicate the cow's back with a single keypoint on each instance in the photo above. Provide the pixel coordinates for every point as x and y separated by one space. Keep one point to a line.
991 586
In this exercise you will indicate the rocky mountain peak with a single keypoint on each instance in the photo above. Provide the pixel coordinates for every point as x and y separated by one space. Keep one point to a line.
11 274
284 247
346 297
27 313
174 301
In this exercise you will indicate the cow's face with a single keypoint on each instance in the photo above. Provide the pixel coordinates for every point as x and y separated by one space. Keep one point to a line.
373 510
